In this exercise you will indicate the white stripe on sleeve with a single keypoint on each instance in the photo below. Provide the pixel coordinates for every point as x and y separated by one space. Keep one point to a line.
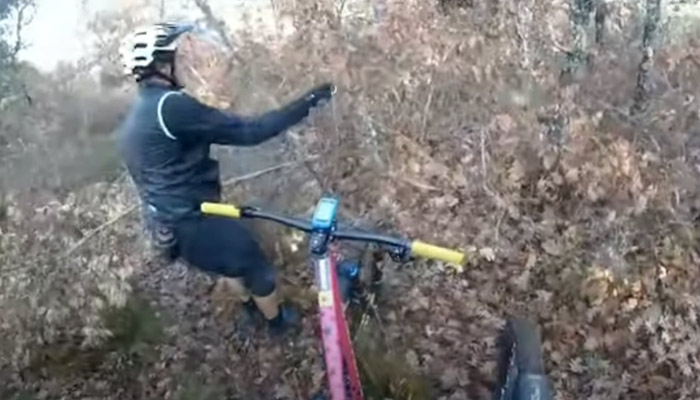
160 116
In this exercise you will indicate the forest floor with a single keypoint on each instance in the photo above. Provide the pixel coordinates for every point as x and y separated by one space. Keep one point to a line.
428 335
578 199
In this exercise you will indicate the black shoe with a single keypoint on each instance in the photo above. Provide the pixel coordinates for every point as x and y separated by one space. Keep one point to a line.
247 320
287 320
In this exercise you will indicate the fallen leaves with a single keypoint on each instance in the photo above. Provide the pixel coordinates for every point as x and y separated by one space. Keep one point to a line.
582 225
552 247
48 299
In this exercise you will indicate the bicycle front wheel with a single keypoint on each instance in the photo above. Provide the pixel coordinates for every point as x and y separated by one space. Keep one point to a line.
520 363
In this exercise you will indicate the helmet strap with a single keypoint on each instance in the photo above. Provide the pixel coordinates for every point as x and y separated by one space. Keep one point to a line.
170 78
154 72
173 76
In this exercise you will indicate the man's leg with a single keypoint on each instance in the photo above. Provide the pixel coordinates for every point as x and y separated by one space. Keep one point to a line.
251 315
223 246
260 279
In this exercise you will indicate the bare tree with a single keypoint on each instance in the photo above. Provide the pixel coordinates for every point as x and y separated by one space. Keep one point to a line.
15 15
651 27
25 15
216 23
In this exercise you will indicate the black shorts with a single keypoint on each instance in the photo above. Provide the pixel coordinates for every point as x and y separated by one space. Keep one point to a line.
223 246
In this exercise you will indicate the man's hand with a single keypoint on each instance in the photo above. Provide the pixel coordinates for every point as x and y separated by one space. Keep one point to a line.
321 93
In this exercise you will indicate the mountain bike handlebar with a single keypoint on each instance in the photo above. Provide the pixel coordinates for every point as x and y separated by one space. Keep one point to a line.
414 248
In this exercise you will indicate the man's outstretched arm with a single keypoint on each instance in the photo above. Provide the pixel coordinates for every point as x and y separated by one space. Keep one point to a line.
188 120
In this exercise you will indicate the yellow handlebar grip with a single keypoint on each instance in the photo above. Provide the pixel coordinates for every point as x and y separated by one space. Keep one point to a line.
224 210
426 250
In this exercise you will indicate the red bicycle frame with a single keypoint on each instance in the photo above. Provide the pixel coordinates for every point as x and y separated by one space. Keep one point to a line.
341 366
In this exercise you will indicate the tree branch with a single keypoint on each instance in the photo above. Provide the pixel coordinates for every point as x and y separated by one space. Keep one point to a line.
133 207
644 80
22 22
217 24
239 179
99 229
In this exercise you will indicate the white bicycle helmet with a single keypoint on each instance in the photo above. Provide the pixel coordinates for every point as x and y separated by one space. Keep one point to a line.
154 43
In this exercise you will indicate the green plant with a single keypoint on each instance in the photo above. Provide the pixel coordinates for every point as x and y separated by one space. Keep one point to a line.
386 375
136 327
22 395
136 331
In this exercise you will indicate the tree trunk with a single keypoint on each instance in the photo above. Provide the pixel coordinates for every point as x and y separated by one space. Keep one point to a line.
601 12
581 13
644 83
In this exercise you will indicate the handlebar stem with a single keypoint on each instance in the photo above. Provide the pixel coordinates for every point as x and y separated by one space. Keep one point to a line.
318 242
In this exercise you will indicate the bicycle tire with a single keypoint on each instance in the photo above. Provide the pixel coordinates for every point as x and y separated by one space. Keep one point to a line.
520 354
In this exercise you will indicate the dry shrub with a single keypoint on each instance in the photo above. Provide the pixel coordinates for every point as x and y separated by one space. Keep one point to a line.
455 125
63 138
51 291
56 142
202 60
458 128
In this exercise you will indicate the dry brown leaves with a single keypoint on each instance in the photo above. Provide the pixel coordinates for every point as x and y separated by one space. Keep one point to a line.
586 217
48 297
580 208
204 66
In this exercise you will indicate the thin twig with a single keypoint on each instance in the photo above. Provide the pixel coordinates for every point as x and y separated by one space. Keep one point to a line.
133 207
297 385
377 318
426 109
373 138
315 175
265 171
21 24
295 147
122 177
339 11
336 156
220 27
414 183
18 40
99 229
497 235
197 75
485 184
483 155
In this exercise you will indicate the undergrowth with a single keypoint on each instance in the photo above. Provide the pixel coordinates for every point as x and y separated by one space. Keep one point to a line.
136 331
452 125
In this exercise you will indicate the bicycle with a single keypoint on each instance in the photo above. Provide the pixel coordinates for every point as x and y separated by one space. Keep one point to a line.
521 374
341 367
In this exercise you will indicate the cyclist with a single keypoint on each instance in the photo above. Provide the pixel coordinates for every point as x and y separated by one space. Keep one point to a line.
164 142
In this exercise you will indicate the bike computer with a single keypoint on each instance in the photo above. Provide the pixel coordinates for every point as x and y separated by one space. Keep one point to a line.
324 216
